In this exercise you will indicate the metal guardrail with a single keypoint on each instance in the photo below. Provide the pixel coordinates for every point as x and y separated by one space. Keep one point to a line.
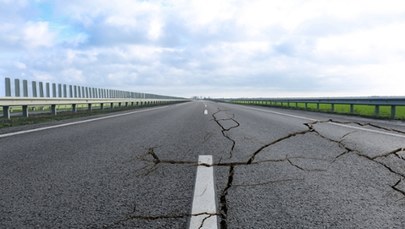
38 94
392 102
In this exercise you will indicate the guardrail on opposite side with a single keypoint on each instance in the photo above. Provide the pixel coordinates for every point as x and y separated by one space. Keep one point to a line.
377 102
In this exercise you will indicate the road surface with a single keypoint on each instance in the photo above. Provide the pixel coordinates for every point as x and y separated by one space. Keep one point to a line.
271 168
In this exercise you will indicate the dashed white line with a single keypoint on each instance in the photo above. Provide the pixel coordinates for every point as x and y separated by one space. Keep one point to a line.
204 206
75 123
205 111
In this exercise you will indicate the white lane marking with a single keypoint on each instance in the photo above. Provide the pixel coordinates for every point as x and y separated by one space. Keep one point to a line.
204 207
205 111
284 114
75 123
332 123
368 130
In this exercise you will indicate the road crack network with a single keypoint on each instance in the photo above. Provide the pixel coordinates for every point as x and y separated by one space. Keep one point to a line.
223 211
362 154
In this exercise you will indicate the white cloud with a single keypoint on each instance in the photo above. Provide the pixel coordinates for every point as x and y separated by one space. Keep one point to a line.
155 29
37 34
73 76
20 65
289 47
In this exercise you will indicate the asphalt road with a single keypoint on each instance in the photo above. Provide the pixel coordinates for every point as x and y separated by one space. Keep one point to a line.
273 168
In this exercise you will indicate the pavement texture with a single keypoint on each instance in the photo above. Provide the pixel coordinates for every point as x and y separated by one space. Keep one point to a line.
274 168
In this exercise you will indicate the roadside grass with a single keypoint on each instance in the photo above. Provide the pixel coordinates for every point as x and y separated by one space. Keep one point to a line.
359 110
64 112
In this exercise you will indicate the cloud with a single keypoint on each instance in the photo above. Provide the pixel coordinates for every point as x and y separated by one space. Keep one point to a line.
206 47
37 34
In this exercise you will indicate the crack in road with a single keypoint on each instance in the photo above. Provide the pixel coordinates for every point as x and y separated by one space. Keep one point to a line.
156 161
267 182
224 130
252 158
159 217
397 189
304 169
361 154
203 221
394 152
223 199
223 212
379 127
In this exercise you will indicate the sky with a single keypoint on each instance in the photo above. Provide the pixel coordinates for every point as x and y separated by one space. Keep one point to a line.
210 48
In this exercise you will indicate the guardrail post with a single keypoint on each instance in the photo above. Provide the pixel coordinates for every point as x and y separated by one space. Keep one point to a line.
64 91
101 106
126 104
132 104
306 106
59 90
41 89
6 112
393 111
34 89
351 108
377 110
119 104
25 111
89 106
112 105
54 110
17 87
54 90
48 90
332 107
74 108
317 106
25 88
8 87
71 91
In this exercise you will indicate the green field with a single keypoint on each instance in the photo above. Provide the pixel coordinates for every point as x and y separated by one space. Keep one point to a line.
360 110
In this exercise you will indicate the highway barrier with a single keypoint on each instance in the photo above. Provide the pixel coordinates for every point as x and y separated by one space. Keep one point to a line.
27 94
380 107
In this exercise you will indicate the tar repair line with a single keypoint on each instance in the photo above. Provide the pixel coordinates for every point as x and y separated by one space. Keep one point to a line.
75 123
332 123
204 211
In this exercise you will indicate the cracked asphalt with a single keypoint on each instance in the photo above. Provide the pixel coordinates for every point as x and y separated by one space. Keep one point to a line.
273 168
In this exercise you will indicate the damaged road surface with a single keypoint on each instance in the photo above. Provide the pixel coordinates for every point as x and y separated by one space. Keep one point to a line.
272 168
